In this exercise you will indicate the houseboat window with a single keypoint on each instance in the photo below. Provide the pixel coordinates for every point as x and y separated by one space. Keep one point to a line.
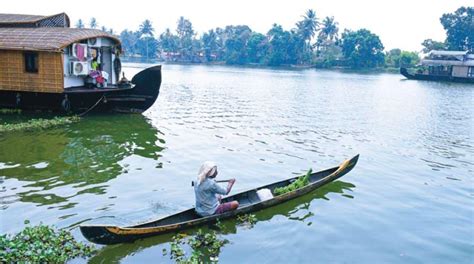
31 62
470 72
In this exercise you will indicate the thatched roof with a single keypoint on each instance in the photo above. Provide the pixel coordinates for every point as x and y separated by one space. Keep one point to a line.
16 20
52 39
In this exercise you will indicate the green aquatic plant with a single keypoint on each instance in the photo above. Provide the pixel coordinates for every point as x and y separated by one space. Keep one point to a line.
299 183
10 111
205 247
38 124
41 244
247 219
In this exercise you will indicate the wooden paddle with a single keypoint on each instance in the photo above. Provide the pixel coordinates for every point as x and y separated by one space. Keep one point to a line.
192 183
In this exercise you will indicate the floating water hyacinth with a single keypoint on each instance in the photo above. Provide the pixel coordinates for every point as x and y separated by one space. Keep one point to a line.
205 247
38 124
10 111
42 244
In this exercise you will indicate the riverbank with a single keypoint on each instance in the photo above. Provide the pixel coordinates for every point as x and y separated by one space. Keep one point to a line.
261 66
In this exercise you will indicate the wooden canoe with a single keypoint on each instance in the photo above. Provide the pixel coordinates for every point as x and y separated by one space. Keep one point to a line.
248 200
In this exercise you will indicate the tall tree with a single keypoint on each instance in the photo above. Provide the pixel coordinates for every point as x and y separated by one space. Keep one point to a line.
430 45
79 24
93 23
282 46
329 30
129 41
257 47
459 28
362 48
185 34
169 42
235 44
306 30
328 34
210 45
146 28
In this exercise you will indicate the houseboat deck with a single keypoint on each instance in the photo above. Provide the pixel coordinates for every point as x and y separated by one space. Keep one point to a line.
85 89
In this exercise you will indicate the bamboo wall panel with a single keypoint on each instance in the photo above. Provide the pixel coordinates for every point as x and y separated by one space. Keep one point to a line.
13 76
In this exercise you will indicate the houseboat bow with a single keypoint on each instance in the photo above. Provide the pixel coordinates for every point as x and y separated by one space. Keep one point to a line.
443 65
46 65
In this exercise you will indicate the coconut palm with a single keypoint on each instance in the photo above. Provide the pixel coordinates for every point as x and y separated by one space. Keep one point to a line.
308 26
329 29
305 30
93 23
79 24
146 28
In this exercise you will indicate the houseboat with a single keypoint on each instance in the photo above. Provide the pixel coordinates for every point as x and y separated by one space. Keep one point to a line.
47 65
442 65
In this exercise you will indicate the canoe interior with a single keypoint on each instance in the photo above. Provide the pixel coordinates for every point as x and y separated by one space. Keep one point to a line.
245 199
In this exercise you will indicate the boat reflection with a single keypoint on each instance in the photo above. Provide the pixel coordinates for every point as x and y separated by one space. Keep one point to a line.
291 209
84 156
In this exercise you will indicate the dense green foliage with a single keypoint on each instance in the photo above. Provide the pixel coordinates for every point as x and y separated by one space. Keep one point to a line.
41 244
205 247
397 58
311 42
429 45
299 183
38 124
459 28
362 49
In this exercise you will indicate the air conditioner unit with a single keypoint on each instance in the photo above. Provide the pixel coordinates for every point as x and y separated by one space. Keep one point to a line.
79 68
94 42
77 49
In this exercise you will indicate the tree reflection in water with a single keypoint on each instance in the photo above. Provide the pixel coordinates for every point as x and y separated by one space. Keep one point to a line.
84 156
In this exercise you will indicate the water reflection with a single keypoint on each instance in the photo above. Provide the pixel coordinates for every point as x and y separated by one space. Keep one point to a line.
291 209
84 156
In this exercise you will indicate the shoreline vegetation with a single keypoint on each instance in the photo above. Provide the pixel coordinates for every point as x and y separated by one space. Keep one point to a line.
36 123
126 59
313 42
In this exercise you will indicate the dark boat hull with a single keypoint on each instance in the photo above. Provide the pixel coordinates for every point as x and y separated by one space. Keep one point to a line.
438 78
249 202
129 100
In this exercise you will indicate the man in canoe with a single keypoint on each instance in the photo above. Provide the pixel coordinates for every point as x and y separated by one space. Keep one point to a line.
208 192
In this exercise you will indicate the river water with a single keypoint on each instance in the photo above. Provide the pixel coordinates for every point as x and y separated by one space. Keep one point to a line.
410 199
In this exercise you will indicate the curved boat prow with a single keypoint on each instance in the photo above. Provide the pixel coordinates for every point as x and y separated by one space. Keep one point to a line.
404 72
144 93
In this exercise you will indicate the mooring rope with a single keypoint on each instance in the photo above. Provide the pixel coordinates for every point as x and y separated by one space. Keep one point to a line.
92 107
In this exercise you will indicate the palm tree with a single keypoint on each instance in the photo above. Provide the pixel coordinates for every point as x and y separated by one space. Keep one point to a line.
329 29
306 29
210 44
308 26
328 33
93 23
79 24
146 31
146 28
